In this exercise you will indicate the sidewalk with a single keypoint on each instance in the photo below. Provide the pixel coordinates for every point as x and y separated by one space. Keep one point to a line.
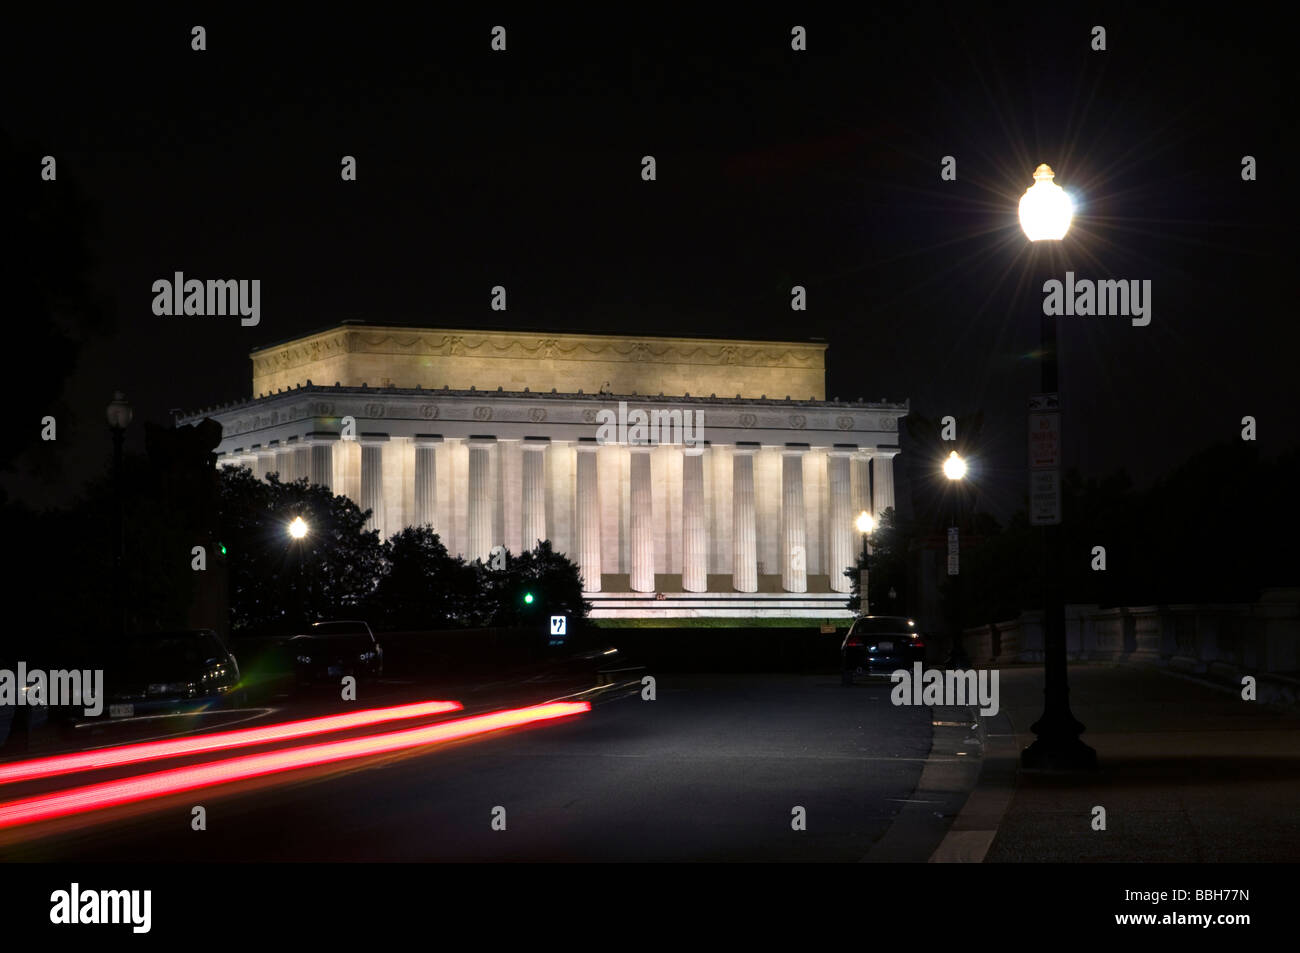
1188 773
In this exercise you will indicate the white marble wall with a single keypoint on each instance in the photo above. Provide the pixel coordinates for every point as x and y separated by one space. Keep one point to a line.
388 479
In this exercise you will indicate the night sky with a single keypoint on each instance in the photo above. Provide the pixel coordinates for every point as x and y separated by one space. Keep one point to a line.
775 168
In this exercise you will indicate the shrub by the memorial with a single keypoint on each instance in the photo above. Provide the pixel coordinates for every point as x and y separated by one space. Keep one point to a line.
887 567
343 562
552 579
424 587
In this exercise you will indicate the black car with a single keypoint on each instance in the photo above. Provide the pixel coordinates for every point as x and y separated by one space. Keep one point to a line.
880 644
19 721
330 650
165 671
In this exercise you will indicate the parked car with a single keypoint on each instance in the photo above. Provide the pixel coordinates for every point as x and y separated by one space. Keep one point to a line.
161 671
330 650
880 644
19 721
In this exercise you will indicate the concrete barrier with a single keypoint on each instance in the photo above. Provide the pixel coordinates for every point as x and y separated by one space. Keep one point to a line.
1259 637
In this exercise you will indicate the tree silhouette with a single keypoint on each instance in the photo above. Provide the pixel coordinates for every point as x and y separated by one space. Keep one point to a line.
425 587
342 563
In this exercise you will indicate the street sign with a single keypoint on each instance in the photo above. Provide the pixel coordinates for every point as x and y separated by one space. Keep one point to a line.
1044 497
559 629
953 551
1044 441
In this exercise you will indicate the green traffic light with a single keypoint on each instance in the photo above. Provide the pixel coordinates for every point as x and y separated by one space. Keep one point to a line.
223 548
528 598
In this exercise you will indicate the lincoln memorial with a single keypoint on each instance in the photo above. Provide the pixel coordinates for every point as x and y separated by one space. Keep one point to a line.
685 476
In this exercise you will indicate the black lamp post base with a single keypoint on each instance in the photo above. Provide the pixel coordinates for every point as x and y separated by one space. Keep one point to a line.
1058 751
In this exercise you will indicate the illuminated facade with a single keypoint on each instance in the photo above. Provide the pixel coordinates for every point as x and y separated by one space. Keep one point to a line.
495 438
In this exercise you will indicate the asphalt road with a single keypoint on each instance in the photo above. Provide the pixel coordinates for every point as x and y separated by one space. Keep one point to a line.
710 770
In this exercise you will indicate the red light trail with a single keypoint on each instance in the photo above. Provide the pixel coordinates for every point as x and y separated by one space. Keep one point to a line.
176 780
218 741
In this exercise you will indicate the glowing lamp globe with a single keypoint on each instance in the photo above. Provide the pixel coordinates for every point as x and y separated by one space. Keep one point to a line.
865 523
1045 209
954 468
298 528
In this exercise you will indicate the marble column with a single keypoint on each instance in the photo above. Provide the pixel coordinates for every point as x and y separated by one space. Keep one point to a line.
321 468
744 537
284 464
794 552
882 465
480 499
372 483
301 461
861 483
642 529
841 519
534 494
588 516
695 546
265 463
426 480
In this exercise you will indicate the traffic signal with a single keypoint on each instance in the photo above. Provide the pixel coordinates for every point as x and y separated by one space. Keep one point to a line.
528 598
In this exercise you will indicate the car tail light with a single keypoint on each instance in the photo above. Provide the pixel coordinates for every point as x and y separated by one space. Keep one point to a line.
853 642
919 644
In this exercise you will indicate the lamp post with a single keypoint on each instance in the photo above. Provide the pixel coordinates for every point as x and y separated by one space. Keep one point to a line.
865 524
1045 215
298 530
119 414
954 468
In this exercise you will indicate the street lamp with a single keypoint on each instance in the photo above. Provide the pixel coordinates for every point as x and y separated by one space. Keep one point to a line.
1045 210
298 530
119 414
865 524
954 468
1045 215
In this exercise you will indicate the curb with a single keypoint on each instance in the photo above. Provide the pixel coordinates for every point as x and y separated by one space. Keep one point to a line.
971 835
940 791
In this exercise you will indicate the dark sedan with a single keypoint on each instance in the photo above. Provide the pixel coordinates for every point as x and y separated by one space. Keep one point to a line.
329 651
162 671
880 644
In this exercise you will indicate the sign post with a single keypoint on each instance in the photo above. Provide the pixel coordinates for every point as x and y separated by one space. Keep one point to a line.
1045 459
